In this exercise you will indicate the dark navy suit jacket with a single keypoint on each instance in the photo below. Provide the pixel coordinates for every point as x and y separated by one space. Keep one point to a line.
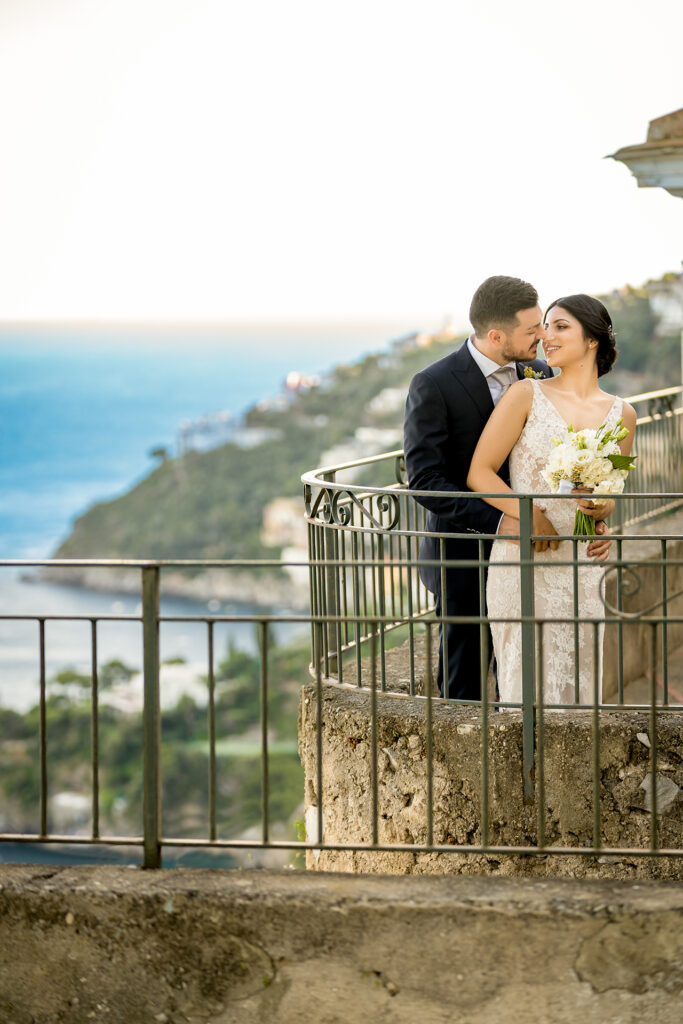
448 405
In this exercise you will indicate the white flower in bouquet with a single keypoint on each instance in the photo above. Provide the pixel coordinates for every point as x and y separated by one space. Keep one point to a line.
590 459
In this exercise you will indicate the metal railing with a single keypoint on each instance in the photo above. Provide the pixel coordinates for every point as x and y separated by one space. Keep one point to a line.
153 837
149 739
659 446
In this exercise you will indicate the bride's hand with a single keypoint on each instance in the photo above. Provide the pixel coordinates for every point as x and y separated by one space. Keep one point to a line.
508 527
597 512
598 549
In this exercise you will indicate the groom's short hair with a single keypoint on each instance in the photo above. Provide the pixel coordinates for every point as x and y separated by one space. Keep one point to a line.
497 302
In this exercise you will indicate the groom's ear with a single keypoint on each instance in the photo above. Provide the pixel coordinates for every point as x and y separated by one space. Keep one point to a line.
496 336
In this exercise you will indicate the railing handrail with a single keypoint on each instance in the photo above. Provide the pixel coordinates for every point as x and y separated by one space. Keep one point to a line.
647 396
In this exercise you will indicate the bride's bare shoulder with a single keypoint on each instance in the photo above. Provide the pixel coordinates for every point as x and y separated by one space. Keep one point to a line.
516 402
629 415
522 391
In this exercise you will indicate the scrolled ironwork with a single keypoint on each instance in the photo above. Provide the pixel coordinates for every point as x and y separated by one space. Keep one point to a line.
319 508
633 585
342 514
389 503
334 506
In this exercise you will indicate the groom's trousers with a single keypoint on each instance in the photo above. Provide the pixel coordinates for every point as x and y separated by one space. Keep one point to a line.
464 640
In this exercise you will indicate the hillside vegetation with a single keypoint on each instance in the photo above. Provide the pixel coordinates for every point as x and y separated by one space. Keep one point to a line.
209 504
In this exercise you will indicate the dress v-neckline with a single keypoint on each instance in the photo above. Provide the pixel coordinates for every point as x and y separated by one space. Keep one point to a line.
561 417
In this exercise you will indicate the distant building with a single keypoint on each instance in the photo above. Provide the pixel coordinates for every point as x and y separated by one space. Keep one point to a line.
387 401
365 442
283 524
414 339
207 432
296 381
217 428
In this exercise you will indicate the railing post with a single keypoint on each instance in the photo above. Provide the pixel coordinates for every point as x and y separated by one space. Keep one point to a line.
332 603
151 720
331 584
526 520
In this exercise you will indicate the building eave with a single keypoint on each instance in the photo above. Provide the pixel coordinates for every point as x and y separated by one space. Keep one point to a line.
657 163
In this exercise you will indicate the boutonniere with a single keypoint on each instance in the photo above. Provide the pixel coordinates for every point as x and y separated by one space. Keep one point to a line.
534 374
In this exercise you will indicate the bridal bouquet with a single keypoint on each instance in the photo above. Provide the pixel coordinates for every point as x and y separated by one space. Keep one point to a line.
592 459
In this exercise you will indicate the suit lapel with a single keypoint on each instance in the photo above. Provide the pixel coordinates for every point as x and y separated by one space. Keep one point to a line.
472 380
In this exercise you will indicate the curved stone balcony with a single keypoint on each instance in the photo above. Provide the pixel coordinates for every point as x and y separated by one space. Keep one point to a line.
399 779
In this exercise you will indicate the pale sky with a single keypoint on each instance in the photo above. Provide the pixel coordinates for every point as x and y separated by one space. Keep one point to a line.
218 160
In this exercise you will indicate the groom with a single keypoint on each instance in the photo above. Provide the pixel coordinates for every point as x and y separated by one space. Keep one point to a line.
448 405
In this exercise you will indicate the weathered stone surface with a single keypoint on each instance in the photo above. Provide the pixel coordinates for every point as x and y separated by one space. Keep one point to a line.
220 947
347 804
666 791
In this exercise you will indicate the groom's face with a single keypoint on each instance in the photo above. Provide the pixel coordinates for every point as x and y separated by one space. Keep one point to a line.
520 344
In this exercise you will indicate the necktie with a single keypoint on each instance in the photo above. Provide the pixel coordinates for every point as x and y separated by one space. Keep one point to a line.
502 379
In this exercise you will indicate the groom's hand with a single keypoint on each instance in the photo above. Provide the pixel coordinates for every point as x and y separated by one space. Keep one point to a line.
542 525
548 533
599 549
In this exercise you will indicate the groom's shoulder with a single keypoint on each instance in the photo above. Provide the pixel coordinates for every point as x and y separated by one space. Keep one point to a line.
540 366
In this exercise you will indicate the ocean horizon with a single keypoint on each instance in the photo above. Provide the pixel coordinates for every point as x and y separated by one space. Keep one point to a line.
80 413
79 417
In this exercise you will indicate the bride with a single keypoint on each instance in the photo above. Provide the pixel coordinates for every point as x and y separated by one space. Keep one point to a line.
580 341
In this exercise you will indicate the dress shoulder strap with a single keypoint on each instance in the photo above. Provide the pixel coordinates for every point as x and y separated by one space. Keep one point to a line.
616 410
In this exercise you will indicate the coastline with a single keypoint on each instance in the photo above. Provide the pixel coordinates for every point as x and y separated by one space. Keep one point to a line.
262 589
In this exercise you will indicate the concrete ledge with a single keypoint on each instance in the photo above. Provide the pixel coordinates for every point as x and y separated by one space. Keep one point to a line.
113 944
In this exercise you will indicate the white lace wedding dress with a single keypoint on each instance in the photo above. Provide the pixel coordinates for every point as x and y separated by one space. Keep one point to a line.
553 584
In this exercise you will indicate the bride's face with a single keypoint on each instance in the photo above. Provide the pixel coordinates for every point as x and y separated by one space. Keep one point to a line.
564 342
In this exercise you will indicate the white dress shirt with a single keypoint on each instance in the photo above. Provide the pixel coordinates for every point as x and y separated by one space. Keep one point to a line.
488 367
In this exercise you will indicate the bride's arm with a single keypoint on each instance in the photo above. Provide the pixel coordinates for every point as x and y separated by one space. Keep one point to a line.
495 444
629 417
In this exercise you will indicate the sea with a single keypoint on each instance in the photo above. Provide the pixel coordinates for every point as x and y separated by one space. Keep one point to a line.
81 410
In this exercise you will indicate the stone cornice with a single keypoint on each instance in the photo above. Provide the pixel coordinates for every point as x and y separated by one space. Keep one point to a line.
658 162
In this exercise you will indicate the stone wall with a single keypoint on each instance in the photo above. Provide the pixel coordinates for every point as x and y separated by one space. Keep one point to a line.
636 635
220 947
346 797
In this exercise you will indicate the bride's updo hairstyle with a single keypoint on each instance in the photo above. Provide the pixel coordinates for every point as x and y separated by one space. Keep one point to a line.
596 324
